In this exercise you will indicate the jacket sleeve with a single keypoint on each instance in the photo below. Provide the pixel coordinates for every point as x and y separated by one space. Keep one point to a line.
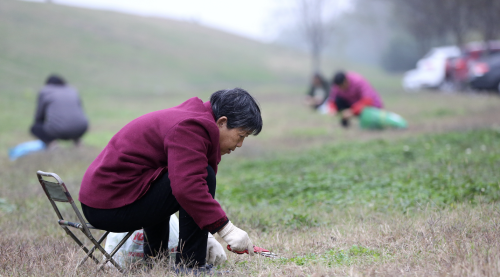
40 109
367 92
358 107
187 146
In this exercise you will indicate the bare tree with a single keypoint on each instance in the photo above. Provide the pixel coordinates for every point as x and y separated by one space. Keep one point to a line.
314 28
313 21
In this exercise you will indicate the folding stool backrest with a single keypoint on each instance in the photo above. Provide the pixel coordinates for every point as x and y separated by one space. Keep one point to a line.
57 192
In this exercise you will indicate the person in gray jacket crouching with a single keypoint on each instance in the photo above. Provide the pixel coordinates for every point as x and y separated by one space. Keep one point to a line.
59 113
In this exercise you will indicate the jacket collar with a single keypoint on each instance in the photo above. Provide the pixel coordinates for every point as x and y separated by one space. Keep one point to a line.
208 106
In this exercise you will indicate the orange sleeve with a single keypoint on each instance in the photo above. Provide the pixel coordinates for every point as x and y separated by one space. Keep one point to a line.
358 106
332 107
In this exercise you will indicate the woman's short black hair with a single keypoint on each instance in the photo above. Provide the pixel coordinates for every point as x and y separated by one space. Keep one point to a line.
339 78
240 108
55 80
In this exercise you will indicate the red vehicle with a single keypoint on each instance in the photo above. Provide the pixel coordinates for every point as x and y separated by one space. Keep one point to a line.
458 70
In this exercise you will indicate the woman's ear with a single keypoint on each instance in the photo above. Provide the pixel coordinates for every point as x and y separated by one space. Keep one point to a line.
221 121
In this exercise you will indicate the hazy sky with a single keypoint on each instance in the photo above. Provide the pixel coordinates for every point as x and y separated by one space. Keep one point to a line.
252 18
245 17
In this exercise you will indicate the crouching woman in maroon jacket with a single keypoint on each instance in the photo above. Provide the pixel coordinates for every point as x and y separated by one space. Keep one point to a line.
164 162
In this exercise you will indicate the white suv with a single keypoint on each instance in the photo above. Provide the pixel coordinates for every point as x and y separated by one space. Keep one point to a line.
431 69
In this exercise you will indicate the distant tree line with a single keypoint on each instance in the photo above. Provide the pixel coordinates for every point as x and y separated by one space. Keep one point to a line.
419 25
391 33
433 22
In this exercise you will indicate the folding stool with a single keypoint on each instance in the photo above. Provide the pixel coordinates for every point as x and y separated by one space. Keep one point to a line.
57 192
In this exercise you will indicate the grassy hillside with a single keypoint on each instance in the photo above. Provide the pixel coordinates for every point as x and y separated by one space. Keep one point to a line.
149 63
126 66
118 53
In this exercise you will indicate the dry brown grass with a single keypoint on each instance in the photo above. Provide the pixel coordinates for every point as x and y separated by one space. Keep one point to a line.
458 241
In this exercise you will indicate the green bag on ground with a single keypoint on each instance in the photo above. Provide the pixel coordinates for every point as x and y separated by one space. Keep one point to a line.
373 118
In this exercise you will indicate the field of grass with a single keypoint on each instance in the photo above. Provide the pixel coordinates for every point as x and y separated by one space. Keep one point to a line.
402 175
425 206
331 202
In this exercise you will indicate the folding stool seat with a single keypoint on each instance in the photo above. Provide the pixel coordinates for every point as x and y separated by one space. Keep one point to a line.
57 192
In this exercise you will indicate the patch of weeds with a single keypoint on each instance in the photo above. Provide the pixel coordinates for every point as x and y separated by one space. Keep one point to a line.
296 220
334 257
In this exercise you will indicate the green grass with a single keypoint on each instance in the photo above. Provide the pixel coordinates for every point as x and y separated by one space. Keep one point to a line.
379 175
334 257
330 258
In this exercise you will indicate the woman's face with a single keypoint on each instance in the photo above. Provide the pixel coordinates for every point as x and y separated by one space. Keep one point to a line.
345 84
229 139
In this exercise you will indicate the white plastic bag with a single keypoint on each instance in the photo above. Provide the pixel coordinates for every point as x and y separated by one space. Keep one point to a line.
133 248
173 238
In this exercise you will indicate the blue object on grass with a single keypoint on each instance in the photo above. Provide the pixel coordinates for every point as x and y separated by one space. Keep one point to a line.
26 148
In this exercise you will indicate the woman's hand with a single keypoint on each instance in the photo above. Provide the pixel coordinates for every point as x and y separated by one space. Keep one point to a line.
237 238
347 113
215 253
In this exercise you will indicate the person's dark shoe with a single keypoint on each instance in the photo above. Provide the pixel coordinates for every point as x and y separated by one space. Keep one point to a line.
344 122
77 142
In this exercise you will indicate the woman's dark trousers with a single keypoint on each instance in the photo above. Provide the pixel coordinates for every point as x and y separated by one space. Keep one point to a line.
152 212
342 104
38 131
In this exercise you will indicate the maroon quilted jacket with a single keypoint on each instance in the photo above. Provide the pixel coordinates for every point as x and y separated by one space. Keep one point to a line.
183 140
